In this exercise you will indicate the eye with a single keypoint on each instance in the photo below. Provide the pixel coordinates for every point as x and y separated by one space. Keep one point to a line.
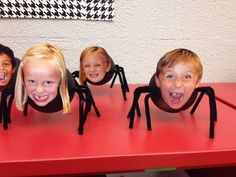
86 66
98 65
31 82
169 76
7 64
48 83
187 77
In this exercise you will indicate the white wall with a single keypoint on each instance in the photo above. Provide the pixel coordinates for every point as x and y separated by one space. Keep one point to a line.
142 31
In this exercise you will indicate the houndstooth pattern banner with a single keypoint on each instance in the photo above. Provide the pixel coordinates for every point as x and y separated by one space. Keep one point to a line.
58 9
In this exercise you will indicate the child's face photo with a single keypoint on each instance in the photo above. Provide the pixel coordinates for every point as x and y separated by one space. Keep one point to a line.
41 81
6 69
94 67
177 84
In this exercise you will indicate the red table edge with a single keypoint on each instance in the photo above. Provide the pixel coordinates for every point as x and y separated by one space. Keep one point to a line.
110 164
226 102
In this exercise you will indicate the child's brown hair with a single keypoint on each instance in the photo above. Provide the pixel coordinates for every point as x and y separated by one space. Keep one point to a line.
177 56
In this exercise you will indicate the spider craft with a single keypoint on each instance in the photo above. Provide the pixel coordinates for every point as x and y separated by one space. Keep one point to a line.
45 84
6 103
8 67
115 70
54 106
173 88
97 68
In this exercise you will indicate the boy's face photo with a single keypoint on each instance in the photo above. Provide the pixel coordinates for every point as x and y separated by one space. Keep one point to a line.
41 81
6 69
94 67
177 84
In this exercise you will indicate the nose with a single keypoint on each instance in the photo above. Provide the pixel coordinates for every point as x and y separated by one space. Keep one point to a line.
178 82
92 68
39 88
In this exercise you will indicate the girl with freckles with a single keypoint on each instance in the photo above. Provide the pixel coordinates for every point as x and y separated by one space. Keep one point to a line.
42 79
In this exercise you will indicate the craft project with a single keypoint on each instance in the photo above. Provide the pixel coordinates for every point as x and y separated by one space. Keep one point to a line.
8 90
8 68
174 87
97 68
44 83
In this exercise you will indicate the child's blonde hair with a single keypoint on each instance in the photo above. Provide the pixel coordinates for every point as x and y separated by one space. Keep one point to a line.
89 51
177 56
54 56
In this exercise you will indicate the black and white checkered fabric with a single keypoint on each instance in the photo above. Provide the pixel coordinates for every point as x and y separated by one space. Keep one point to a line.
58 9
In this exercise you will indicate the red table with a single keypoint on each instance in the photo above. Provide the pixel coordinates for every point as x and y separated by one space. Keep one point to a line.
48 144
225 93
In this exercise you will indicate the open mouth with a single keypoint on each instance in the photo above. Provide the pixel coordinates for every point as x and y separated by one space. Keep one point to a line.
39 98
2 76
176 97
93 75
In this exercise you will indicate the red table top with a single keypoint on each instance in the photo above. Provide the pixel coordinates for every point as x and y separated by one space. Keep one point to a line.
225 93
48 144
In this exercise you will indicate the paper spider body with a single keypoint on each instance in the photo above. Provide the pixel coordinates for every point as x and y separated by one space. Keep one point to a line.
154 93
54 106
115 71
8 90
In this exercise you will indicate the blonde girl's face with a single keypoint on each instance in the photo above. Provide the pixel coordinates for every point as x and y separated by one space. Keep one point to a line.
94 67
41 81
6 69
177 84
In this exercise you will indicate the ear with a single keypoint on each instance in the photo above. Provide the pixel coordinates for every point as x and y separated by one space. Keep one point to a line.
157 81
198 82
108 67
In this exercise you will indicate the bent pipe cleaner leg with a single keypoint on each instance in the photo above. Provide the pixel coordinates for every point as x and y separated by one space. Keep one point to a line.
1 113
95 106
82 109
121 70
138 110
212 98
213 111
211 95
82 117
114 78
135 105
9 107
122 87
212 104
25 111
131 113
4 110
197 103
90 101
80 130
147 111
